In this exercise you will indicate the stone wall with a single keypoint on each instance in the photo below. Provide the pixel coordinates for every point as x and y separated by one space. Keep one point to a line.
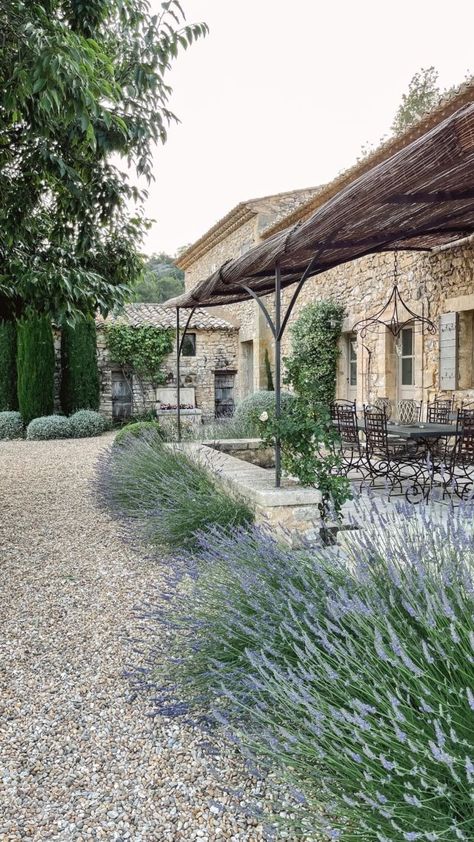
216 350
254 336
431 284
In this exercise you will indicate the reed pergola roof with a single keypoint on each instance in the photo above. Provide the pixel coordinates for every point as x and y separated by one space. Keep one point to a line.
419 198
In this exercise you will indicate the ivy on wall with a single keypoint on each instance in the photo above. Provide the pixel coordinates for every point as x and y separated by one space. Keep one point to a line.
141 349
311 367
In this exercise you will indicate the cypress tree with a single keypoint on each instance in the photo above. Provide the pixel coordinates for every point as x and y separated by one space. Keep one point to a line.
8 395
80 386
35 367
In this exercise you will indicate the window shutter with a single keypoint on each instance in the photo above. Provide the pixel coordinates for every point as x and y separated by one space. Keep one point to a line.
448 351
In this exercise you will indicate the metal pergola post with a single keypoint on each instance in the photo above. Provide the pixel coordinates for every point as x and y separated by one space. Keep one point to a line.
179 349
178 373
277 371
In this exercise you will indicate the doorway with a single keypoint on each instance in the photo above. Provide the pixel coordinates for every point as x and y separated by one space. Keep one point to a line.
224 385
351 366
405 348
122 396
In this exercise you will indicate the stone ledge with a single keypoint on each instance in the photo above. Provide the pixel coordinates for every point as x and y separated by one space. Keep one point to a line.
250 482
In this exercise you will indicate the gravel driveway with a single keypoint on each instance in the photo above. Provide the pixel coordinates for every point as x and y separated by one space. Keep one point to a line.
78 759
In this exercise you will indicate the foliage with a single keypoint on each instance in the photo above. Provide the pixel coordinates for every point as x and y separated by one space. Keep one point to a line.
142 349
8 391
49 427
35 367
225 428
422 96
351 675
309 452
86 422
138 429
82 90
11 425
249 409
161 280
80 386
311 368
268 372
166 495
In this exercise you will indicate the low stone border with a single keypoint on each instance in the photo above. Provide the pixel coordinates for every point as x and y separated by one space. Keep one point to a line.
291 511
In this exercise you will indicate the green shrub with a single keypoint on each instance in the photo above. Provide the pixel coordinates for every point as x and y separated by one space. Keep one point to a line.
311 368
166 496
86 423
249 410
35 367
49 427
8 377
11 425
138 429
80 386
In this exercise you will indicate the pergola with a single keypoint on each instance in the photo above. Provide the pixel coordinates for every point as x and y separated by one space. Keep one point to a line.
417 199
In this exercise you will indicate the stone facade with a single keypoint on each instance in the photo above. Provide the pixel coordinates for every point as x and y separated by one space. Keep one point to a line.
431 284
216 351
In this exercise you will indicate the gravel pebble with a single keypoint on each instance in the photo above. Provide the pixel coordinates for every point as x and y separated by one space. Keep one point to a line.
79 759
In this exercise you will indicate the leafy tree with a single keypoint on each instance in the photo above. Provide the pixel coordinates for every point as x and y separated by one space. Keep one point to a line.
8 395
80 385
82 87
35 362
161 280
422 96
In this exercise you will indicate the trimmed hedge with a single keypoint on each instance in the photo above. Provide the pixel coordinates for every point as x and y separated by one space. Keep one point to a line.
8 377
35 367
49 427
86 422
80 385
249 410
11 425
137 430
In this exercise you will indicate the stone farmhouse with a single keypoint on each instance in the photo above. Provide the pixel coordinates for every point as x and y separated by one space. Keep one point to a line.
438 285
208 366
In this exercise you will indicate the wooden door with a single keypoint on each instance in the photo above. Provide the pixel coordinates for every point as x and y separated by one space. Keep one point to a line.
121 397
224 394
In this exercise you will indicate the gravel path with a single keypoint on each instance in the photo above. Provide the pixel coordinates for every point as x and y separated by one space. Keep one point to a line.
78 759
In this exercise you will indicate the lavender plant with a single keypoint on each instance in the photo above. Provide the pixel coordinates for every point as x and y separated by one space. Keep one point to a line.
351 675
165 496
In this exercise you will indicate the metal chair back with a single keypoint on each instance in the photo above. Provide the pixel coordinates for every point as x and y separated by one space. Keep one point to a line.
375 427
464 447
409 411
439 411
344 415
385 404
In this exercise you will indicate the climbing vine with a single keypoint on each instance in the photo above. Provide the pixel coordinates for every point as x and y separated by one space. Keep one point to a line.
311 367
141 349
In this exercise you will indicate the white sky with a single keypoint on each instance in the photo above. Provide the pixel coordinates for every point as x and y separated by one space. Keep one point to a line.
282 95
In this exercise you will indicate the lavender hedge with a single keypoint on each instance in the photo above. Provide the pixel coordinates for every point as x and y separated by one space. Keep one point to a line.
353 676
165 497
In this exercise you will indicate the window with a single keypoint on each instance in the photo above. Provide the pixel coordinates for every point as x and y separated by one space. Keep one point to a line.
353 360
407 356
189 345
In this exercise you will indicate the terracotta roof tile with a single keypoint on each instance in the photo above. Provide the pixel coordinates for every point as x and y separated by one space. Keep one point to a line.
156 315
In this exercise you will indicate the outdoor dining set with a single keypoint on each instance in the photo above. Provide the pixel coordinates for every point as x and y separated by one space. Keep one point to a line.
407 451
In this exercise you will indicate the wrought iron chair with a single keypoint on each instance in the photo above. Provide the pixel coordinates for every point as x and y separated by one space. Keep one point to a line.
344 416
385 404
461 479
439 411
409 411
390 458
